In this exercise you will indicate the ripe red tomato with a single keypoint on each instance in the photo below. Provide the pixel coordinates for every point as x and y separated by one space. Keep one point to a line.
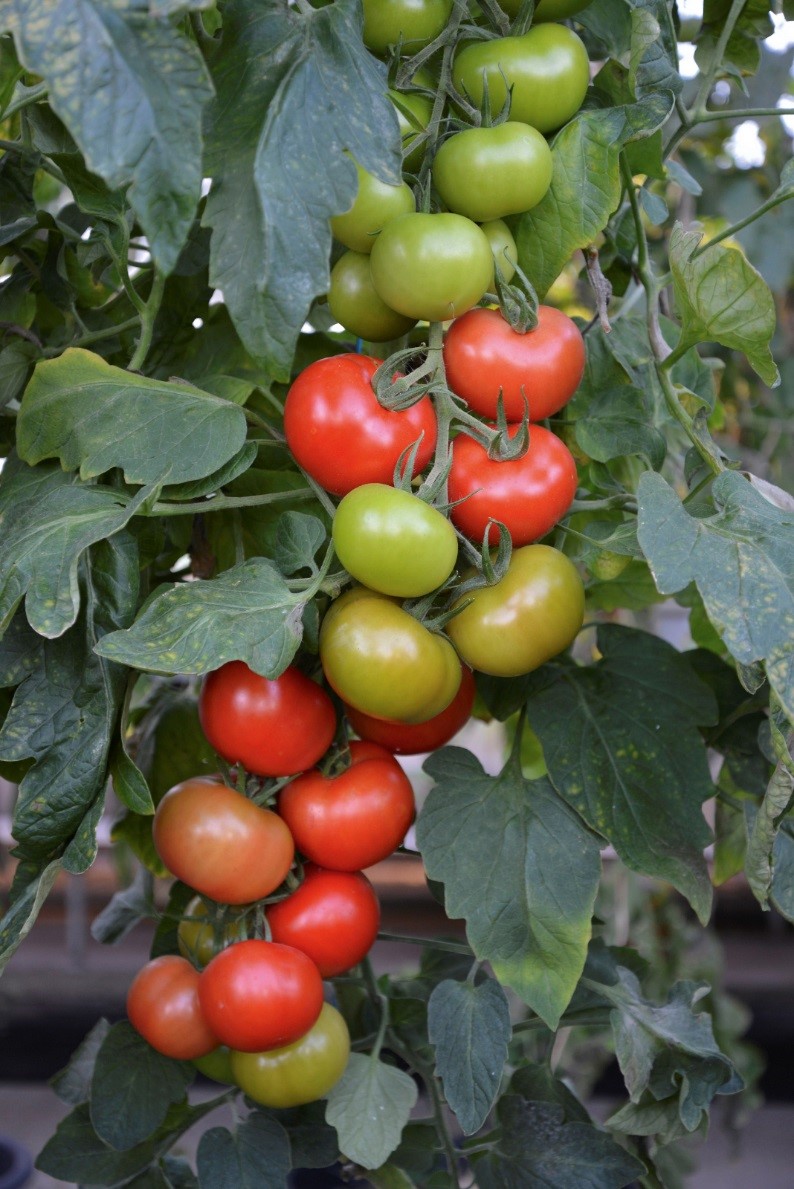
350 821
272 728
339 433
412 738
163 1005
528 494
484 356
217 841
333 918
258 995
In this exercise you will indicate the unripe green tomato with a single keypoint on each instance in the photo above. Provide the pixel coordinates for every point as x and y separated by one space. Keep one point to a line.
522 621
432 267
376 204
198 939
217 1065
487 173
607 565
354 302
503 247
381 660
547 68
300 1072
546 10
393 542
414 22
413 115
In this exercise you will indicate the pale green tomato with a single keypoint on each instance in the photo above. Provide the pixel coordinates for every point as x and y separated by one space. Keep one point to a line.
503 246
375 205
354 302
487 173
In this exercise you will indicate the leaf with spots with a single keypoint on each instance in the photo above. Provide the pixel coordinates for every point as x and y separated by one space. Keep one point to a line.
278 176
622 747
520 867
131 90
248 613
742 561
47 521
93 417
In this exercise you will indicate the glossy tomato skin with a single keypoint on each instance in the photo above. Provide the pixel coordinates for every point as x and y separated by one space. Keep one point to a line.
413 738
350 821
484 356
217 841
217 1065
163 1006
393 542
432 267
333 918
271 727
375 204
354 303
298 1073
529 494
258 995
525 619
381 660
547 68
339 433
414 23
487 173
503 248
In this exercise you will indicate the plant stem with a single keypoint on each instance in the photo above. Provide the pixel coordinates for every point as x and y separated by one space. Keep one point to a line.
698 108
148 317
744 113
94 336
428 1077
773 201
451 947
224 502
34 94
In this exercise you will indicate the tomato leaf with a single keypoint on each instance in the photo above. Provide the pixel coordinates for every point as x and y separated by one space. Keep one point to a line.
537 1147
72 1084
102 63
247 613
618 422
47 522
298 537
721 298
653 61
312 1141
31 886
369 1107
469 1026
255 1156
742 560
522 869
125 910
133 1087
273 191
93 416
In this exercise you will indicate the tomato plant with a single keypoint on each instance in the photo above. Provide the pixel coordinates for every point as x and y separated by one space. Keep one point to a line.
412 738
487 173
300 1072
163 1005
333 918
352 820
340 434
258 995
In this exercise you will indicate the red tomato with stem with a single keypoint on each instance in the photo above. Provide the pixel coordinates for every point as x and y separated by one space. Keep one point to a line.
529 494
340 434
484 356
412 738
163 1006
272 727
333 918
350 821
259 995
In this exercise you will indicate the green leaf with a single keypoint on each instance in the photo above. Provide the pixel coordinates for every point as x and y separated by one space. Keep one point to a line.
93 416
536 1083
47 522
15 363
298 537
129 783
133 1087
125 910
73 1083
28 892
742 54
653 61
765 823
618 422
236 466
536 1149
622 747
520 867
585 187
469 1027
273 192
131 91
721 298
312 1142
742 560
369 1107
247 613
389 1176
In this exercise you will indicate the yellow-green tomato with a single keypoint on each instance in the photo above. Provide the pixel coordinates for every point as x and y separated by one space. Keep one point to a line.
432 267
503 247
300 1072
547 69
376 204
198 938
355 304
393 542
216 1065
487 173
522 621
381 660
414 23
